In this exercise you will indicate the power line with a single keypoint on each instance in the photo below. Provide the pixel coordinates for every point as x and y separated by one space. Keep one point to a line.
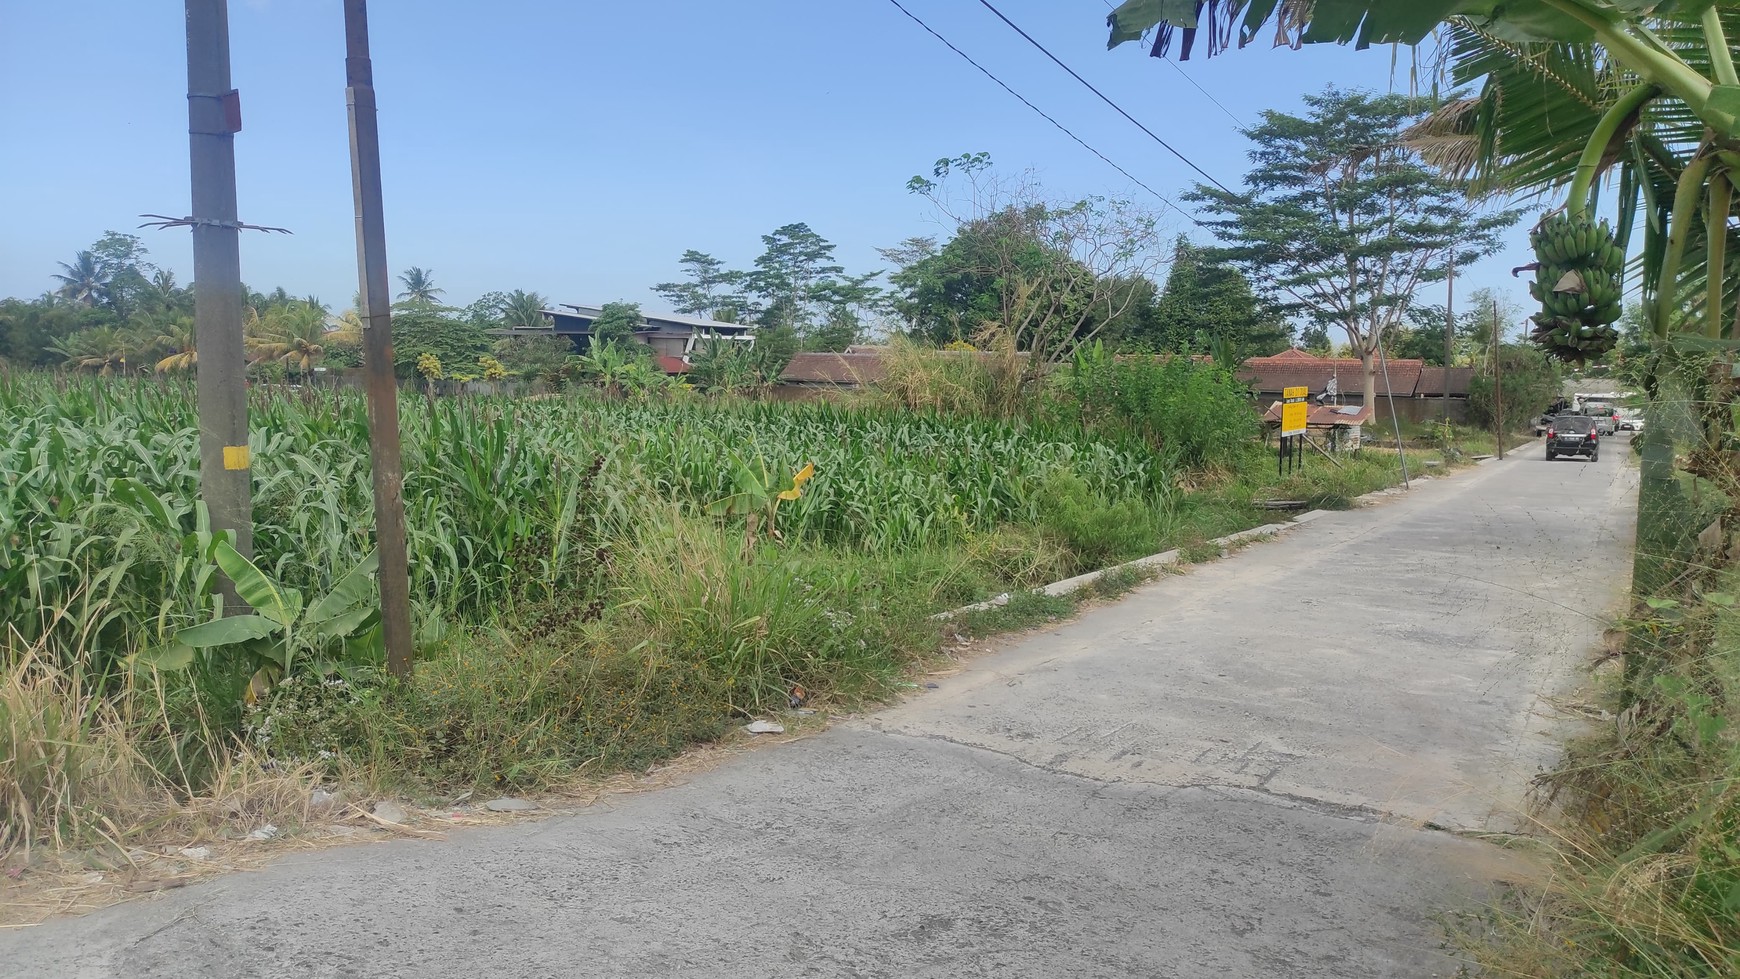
1042 113
1206 93
1193 82
1103 98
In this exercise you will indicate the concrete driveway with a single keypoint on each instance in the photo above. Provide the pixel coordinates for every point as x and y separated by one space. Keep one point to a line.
1262 768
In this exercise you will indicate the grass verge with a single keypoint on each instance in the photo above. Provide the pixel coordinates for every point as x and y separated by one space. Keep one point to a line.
1645 814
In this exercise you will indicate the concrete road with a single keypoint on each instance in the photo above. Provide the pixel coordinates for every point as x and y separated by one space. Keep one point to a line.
1255 769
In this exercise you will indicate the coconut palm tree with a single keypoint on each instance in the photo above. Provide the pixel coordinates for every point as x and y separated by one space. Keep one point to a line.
523 310
420 287
176 334
102 349
167 295
83 280
293 334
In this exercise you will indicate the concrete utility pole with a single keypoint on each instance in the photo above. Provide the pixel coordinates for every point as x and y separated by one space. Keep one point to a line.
214 116
377 312
1497 377
1449 331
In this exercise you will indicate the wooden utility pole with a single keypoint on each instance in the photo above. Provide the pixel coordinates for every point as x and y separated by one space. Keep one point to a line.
1449 332
214 116
1498 377
377 311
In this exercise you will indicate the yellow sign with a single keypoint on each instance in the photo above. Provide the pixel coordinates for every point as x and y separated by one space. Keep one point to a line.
1294 394
1293 416
235 457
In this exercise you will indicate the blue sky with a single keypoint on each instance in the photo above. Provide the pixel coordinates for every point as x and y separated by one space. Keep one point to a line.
578 148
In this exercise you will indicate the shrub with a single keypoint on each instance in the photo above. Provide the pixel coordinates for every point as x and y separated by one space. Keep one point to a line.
1196 414
1097 533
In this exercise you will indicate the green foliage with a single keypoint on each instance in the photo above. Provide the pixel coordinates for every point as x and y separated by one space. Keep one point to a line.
971 282
507 310
540 357
340 628
1197 415
420 291
1530 382
793 277
1354 256
617 323
32 332
1095 532
1206 300
711 289
419 331
730 367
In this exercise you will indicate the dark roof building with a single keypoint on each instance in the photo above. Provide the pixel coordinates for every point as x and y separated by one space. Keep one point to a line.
672 336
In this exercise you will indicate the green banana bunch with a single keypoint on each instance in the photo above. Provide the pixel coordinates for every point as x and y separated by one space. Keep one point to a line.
1579 282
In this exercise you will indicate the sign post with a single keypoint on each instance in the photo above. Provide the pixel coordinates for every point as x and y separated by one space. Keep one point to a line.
1294 414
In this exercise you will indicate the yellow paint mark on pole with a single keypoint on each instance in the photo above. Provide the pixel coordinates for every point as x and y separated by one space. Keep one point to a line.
235 457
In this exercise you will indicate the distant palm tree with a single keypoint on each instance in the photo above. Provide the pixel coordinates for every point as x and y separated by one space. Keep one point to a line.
294 334
522 310
84 280
103 349
349 329
176 335
420 287
166 295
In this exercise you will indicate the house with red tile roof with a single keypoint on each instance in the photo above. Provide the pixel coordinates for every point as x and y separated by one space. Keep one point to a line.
1417 390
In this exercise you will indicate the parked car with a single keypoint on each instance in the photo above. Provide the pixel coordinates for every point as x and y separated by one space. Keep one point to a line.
1574 435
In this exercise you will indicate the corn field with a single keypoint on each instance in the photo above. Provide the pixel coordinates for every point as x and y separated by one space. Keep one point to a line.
104 544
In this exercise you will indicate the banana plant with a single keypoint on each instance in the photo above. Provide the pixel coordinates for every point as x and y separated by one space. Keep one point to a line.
758 495
283 631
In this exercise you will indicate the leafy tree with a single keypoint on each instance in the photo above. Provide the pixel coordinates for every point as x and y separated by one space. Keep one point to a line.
486 310
1342 223
1529 382
710 288
838 331
126 270
534 356
1421 337
797 281
1314 338
1206 300
418 331
420 288
617 323
29 331
1020 272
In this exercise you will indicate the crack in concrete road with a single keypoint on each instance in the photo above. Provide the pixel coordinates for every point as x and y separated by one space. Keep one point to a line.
1279 764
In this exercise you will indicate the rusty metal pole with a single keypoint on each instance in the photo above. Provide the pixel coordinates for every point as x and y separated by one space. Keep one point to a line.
377 312
213 118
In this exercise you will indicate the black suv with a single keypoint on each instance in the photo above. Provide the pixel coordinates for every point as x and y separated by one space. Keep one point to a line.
1573 435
